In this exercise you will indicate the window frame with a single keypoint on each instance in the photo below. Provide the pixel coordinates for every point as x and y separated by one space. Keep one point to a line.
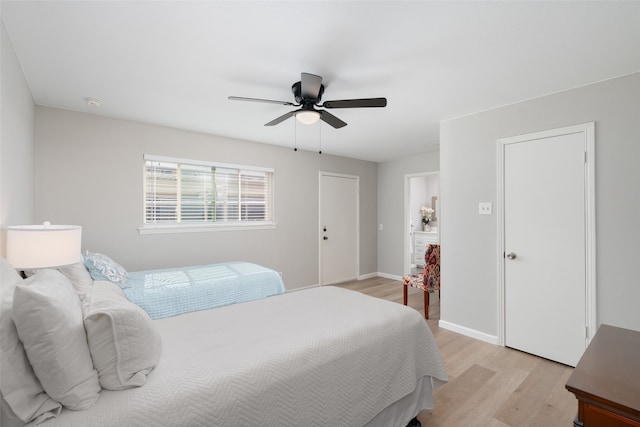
197 227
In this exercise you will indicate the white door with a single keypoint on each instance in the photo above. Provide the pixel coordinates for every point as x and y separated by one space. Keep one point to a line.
338 228
545 245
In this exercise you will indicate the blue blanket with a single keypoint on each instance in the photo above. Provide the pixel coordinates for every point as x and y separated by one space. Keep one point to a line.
169 292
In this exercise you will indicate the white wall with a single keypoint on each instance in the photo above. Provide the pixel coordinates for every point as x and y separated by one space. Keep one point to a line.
90 172
468 176
17 143
391 180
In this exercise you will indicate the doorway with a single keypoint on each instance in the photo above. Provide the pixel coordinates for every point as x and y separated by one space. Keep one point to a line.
421 190
547 242
339 228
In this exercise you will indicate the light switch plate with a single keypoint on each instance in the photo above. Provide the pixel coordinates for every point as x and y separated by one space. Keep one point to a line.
485 208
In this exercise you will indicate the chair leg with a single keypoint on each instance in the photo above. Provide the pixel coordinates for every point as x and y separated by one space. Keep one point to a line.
426 304
405 293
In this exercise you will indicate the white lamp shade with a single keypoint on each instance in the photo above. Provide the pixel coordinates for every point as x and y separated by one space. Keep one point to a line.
42 246
308 117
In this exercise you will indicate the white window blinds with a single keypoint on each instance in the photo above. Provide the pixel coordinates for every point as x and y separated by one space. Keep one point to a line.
181 191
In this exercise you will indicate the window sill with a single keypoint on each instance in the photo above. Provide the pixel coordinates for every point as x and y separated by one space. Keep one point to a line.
202 228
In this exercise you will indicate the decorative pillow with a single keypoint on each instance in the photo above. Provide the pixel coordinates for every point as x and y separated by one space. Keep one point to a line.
20 388
77 274
48 316
101 267
123 342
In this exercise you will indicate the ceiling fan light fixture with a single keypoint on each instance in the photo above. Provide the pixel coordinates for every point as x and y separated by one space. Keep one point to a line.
307 117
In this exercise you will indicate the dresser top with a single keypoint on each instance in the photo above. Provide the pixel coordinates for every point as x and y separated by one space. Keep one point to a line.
433 231
609 369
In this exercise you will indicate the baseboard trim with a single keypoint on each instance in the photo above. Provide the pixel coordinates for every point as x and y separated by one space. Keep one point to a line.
388 276
360 277
463 330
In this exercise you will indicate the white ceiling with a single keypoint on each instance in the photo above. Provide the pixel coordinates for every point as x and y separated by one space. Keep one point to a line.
175 62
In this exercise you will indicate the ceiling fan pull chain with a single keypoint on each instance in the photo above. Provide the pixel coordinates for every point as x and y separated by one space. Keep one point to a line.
320 137
295 136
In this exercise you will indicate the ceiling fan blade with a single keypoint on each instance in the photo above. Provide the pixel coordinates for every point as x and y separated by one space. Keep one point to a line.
269 101
329 118
282 118
356 103
310 85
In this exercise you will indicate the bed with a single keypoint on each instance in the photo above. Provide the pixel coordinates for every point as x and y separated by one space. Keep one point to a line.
324 356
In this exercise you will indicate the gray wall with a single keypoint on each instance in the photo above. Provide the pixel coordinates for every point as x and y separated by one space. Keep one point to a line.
391 177
90 172
468 176
17 143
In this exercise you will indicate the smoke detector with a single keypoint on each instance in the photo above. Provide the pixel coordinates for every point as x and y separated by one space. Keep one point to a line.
93 102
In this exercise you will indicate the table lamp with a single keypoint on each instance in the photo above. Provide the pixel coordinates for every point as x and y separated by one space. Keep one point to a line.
43 246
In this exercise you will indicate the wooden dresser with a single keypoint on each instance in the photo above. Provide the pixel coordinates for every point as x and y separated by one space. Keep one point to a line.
606 380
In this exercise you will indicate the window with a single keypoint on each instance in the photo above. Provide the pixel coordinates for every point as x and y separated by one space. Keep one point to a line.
182 193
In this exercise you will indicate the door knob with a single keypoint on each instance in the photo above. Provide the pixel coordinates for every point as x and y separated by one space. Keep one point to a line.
325 238
511 255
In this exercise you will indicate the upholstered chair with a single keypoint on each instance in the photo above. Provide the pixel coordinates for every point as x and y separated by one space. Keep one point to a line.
429 280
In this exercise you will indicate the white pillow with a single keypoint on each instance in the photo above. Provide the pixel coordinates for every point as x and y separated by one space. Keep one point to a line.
48 316
123 342
20 388
77 274
79 277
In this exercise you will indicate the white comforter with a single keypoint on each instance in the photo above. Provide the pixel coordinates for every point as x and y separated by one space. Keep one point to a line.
319 357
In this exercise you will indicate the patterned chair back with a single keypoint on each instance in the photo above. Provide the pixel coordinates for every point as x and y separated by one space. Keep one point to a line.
432 268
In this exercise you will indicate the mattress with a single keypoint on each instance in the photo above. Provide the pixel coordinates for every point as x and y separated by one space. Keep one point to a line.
318 357
169 292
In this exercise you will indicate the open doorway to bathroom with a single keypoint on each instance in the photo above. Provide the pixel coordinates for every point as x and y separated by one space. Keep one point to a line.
421 201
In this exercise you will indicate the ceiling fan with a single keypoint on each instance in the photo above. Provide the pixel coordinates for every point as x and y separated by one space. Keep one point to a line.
308 93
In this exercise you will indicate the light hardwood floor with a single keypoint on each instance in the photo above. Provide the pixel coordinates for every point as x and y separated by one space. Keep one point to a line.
489 386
